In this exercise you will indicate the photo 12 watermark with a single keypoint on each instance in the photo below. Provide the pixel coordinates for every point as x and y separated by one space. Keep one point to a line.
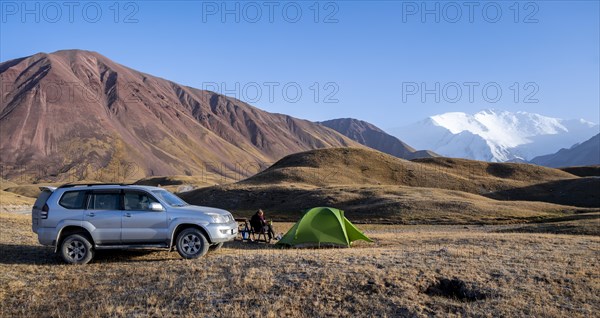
56 170
469 11
277 92
69 11
269 11
471 92
57 92
292 92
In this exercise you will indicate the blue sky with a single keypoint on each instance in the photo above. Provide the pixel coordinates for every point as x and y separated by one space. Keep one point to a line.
370 60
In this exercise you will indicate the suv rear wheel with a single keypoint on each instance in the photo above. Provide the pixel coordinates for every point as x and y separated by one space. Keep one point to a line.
76 249
191 243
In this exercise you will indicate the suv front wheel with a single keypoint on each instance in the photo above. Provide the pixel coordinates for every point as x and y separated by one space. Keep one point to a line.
76 249
191 243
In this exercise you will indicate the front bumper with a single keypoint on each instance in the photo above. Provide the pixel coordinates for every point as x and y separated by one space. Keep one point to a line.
220 233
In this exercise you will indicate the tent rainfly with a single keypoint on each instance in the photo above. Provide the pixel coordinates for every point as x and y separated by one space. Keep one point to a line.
321 227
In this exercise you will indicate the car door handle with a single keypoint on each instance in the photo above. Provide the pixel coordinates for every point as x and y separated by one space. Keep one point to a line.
91 214
128 215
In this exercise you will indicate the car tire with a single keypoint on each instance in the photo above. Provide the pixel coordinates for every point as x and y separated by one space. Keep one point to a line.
191 243
76 249
216 247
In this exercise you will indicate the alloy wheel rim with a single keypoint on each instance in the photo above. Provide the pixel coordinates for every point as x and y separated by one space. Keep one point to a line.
76 250
191 244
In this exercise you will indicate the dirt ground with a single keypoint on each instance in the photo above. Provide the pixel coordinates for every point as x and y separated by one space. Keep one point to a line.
409 271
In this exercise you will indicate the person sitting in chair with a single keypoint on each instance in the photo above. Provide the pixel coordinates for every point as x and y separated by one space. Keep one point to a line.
260 225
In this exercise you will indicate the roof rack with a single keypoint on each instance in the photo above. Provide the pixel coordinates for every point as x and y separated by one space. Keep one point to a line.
70 185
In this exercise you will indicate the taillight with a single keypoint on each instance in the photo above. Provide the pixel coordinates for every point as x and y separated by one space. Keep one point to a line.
44 213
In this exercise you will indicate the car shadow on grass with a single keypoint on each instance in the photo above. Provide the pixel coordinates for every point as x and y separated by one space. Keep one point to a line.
133 256
11 254
27 254
43 255
248 245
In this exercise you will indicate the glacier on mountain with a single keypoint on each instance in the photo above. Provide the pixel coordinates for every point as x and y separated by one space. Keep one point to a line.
495 135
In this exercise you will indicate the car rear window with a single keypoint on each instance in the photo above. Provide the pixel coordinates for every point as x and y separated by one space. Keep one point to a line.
72 200
42 198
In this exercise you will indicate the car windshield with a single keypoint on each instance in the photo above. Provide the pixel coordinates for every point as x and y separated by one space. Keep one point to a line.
169 197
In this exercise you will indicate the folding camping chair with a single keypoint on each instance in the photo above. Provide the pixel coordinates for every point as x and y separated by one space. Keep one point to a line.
248 234
256 234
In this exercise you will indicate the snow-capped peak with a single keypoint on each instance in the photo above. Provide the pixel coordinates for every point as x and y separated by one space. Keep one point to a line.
504 135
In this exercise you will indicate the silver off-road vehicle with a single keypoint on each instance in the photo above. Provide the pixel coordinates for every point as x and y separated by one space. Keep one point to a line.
79 219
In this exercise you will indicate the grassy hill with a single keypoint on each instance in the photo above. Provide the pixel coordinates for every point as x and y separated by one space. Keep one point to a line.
376 204
581 224
582 192
583 171
27 190
6 184
374 187
352 166
472 169
9 198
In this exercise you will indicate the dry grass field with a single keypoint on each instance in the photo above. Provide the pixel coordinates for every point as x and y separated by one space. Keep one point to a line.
452 238
378 204
497 274
371 186
354 166
9 200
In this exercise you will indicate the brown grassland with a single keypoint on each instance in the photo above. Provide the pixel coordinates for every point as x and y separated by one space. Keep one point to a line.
452 237
519 274
373 187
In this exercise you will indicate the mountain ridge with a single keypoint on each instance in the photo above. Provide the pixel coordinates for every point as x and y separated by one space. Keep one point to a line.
374 137
586 153
77 113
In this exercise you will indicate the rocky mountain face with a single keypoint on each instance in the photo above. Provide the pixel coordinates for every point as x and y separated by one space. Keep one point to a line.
371 136
78 115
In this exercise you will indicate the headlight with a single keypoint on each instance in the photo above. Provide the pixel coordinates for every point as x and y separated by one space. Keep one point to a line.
220 218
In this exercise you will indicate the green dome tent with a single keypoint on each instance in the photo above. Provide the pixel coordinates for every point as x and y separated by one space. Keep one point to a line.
323 226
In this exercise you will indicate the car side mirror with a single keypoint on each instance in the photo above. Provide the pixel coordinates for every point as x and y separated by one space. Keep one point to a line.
155 206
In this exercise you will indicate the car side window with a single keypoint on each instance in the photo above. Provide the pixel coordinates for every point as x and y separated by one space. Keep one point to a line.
72 200
104 201
138 201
